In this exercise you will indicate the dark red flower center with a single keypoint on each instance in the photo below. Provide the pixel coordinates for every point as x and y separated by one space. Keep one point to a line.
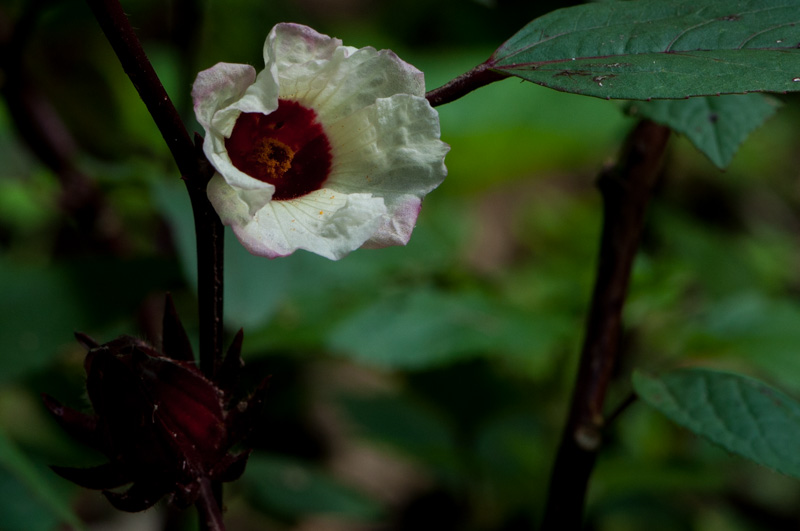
287 148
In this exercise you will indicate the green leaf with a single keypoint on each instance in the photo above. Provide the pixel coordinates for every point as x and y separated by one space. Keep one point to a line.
716 126
414 330
425 328
290 488
39 311
752 328
621 475
407 425
660 48
519 130
511 455
44 496
741 414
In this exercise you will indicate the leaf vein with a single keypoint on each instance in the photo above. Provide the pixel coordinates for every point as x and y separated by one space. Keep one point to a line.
766 30
687 30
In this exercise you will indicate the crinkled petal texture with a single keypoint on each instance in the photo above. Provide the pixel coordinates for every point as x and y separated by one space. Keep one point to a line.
382 137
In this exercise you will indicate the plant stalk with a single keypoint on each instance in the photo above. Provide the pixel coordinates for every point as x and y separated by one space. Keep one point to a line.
196 172
626 190
191 163
476 78
208 510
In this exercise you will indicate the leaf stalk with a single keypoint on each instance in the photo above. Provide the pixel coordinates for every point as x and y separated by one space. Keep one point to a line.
476 78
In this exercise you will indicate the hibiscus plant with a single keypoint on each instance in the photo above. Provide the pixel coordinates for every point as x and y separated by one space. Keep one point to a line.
328 150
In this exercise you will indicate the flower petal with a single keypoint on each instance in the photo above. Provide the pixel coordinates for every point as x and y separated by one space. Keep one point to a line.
325 222
218 87
220 94
335 80
383 136
294 44
397 224
390 149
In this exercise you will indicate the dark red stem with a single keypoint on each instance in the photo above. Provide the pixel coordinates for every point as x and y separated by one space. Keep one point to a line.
210 263
478 77
191 163
208 510
626 190
196 172
126 45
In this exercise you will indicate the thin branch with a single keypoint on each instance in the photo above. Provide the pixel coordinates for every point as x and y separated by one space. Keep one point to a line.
478 77
196 172
193 166
210 263
126 45
612 417
626 191
208 510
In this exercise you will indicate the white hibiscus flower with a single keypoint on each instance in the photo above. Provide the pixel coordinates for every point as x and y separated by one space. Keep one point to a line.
329 148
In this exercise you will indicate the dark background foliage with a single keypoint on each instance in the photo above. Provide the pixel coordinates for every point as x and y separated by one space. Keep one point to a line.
412 388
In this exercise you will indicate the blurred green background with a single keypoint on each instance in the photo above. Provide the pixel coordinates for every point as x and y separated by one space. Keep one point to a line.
412 388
